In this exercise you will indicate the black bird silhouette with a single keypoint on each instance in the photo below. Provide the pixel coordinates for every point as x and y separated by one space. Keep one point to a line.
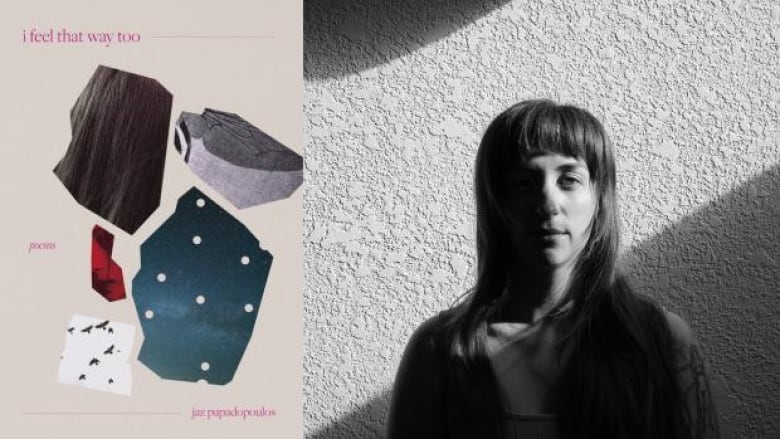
102 325
110 381
109 351
82 377
94 362
70 330
88 329
110 330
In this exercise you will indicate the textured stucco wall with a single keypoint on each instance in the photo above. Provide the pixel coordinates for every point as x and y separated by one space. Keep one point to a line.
397 95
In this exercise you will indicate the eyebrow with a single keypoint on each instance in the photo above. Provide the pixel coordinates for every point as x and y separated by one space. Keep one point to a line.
561 168
572 166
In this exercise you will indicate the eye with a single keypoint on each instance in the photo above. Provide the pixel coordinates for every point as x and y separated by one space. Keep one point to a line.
569 180
520 183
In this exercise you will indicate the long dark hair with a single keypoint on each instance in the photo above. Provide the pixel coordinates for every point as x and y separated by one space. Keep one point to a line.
114 163
616 356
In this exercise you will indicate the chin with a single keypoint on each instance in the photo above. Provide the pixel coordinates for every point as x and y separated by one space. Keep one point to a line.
548 259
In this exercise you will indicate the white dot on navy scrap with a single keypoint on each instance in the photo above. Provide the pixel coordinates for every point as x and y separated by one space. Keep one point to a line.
200 299
245 260
205 366
161 277
196 240
149 314
200 202
248 307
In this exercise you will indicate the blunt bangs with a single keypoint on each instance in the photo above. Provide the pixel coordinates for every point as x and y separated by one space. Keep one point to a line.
542 126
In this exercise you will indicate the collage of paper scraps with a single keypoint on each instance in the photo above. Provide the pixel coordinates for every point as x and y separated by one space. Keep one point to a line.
203 272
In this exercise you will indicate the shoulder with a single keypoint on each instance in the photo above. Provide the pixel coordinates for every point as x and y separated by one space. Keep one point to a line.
693 381
672 329
417 405
679 329
685 350
432 329
428 343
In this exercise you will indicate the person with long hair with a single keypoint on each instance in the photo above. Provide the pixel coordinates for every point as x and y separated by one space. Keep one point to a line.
551 342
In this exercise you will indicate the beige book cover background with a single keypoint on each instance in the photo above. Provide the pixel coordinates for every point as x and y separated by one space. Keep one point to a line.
244 57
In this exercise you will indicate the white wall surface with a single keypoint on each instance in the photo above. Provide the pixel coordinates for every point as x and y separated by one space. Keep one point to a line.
397 96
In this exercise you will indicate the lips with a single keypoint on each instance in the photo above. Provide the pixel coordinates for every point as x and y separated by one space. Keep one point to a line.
548 231
548 236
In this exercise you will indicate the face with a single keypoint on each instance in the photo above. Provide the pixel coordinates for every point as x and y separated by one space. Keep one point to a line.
551 203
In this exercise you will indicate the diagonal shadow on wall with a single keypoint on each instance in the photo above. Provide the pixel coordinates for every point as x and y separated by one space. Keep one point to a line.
343 37
718 269
365 422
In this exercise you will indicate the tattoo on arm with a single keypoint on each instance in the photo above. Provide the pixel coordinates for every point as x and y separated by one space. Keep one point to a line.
696 390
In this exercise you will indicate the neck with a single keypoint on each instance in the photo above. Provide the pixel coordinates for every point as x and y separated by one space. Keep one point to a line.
533 293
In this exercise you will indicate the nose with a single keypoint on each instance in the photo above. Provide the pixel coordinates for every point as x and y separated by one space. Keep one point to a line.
548 203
